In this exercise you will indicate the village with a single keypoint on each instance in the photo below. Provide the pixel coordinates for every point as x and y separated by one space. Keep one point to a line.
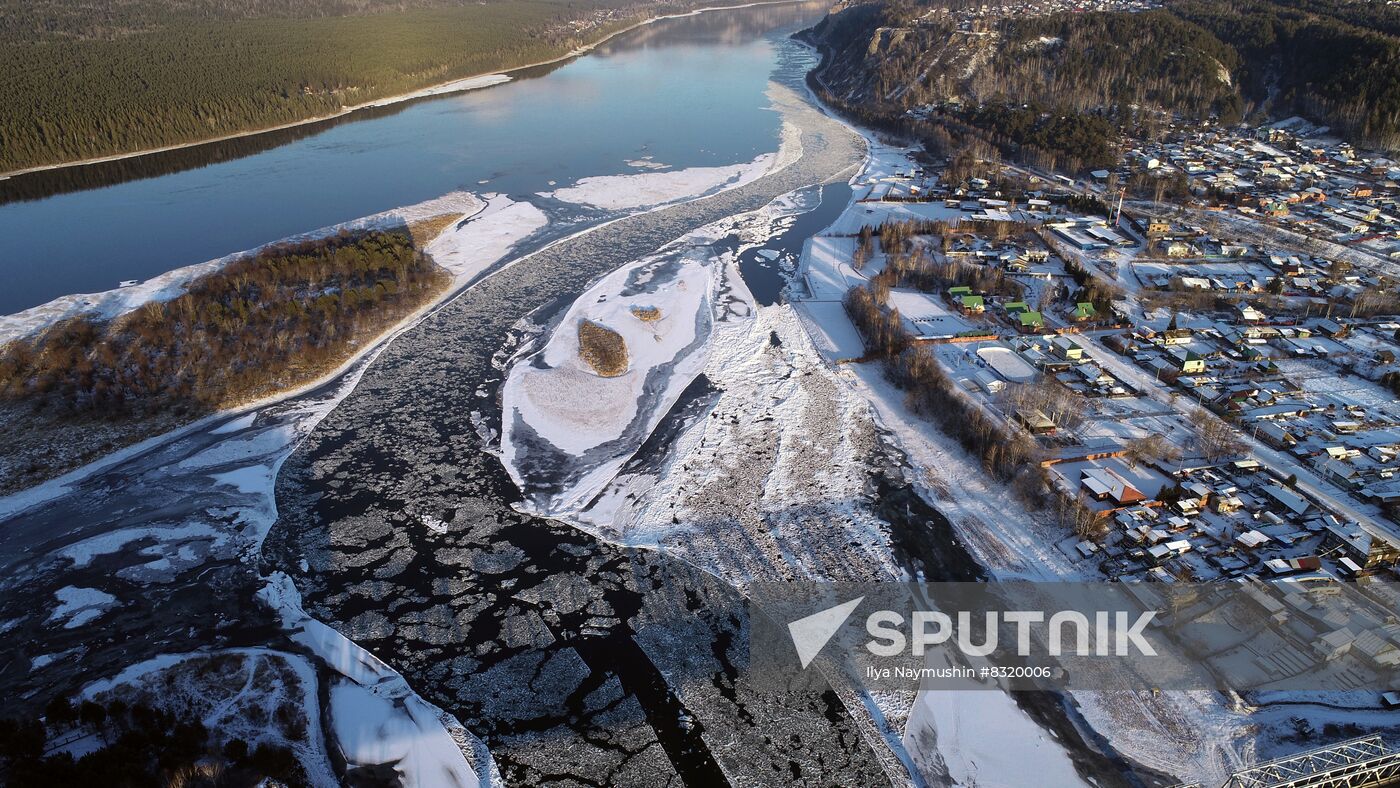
1207 387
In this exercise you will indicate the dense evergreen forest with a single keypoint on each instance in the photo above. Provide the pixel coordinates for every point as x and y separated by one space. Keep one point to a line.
1313 57
92 79
1054 89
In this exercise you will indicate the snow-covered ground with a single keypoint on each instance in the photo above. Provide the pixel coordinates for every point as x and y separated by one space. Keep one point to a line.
377 718
567 429
1192 735
485 237
651 189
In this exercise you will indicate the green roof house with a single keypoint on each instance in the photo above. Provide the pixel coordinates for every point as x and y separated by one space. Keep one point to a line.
972 303
1031 320
1083 311
1015 307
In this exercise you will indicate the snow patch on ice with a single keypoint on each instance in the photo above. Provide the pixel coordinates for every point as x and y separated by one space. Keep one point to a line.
78 606
374 713
479 241
82 553
649 189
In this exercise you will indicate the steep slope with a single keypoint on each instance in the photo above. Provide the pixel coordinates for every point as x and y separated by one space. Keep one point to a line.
1011 75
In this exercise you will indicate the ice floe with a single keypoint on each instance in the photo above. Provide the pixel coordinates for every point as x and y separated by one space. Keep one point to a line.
478 241
78 606
647 189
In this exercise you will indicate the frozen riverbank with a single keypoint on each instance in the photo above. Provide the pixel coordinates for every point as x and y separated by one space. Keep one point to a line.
489 602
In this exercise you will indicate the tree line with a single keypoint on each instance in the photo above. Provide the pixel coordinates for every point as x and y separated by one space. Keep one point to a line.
257 325
1054 90
154 75
140 746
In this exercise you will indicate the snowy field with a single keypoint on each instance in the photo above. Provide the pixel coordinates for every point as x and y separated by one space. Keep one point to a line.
826 267
831 331
926 315
1006 362
876 213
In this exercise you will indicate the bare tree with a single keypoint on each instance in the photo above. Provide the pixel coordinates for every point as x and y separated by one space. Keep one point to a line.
1214 438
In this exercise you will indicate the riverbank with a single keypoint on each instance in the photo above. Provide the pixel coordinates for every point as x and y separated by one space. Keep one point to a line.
456 85
486 565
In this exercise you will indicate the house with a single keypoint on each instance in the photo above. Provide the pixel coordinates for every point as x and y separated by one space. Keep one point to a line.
1249 314
972 304
1175 248
1083 311
1068 349
1331 328
1274 435
1367 545
1031 321
1334 644
1036 422
1165 550
1102 484
1286 500
1187 362
1176 336
1375 650
1251 539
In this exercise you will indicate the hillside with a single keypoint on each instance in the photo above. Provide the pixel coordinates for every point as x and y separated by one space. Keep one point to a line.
95 79
1040 86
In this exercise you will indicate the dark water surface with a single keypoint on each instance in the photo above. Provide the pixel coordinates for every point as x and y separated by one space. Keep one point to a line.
685 92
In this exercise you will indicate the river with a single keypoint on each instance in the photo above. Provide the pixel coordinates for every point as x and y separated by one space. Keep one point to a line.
570 657
573 658
682 92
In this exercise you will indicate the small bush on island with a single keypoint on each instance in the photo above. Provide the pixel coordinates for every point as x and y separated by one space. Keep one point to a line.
602 348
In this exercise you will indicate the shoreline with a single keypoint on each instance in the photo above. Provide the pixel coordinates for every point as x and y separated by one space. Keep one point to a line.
17 501
434 90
